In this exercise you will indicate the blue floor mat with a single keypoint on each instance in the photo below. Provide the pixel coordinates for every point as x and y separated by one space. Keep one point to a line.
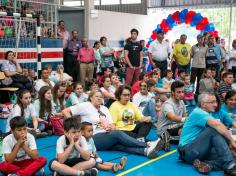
168 166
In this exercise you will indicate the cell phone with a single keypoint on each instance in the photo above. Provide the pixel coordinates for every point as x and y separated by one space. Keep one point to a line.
233 131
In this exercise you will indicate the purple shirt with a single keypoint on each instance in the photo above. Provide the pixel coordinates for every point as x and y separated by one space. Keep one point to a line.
73 46
8 66
86 55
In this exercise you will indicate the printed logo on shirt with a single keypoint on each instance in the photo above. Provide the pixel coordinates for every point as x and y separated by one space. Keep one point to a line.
184 51
128 117
135 48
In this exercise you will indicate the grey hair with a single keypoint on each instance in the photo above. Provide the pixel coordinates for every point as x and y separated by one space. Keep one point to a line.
202 98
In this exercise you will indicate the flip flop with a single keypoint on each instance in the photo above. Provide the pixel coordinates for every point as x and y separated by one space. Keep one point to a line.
123 162
115 167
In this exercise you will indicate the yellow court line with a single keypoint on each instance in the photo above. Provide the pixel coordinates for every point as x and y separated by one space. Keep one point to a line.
146 163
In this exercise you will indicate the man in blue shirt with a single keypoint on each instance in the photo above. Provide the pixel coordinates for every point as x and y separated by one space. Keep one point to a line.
205 141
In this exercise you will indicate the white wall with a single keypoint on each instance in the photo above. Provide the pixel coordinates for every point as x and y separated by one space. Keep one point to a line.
117 26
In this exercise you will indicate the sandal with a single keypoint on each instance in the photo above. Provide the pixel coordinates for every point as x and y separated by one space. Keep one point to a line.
115 167
202 167
123 162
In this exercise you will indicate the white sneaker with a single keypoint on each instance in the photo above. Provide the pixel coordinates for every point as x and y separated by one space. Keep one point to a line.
153 148
141 139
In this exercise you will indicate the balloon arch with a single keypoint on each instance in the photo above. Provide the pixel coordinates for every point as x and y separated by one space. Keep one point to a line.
185 16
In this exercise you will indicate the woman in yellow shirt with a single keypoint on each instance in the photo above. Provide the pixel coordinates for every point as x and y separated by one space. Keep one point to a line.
126 115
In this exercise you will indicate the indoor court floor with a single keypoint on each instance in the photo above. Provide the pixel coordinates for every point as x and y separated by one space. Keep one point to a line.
167 164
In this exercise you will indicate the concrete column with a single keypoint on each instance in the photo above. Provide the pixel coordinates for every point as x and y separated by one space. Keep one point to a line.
88 6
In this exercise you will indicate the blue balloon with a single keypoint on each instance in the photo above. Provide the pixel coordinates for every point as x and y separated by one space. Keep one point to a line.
196 19
182 15
209 28
158 28
171 23
150 40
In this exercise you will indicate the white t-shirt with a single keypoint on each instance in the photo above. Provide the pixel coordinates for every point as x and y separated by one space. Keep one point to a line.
29 112
141 100
159 50
89 113
61 147
9 142
40 83
232 53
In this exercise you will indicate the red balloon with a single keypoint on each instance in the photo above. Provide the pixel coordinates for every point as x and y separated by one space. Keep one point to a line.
147 45
175 16
163 24
165 30
154 35
214 33
201 25
189 17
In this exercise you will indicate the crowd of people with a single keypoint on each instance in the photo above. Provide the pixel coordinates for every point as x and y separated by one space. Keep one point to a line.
27 25
113 102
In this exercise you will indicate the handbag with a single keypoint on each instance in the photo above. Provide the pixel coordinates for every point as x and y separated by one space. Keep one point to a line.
20 79
56 122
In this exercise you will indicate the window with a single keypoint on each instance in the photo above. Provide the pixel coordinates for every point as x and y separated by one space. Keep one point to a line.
110 2
130 1
96 2
72 3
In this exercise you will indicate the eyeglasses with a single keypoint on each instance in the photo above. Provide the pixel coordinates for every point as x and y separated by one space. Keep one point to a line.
125 95
212 102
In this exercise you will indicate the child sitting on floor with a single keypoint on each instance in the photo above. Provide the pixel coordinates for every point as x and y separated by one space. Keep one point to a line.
73 156
19 150
87 132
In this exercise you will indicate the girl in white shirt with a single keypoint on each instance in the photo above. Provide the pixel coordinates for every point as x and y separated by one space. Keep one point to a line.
25 108
58 98
77 96
107 91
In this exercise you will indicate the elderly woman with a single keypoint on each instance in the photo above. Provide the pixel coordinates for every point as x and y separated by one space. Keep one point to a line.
105 135
13 70
61 75
126 115
230 104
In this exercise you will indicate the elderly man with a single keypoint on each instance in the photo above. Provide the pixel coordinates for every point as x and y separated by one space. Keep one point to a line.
159 52
205 142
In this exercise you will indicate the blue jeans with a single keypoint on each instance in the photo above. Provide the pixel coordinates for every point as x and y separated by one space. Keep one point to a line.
149 110
190 102
118 140
211 147
184 67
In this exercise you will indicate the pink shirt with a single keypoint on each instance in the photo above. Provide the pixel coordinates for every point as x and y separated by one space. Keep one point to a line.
65 35
86 55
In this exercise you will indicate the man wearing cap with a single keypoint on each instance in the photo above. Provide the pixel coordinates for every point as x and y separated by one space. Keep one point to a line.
198 54
181 54
159 51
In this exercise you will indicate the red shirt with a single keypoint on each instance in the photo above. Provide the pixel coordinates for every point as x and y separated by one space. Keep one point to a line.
135 88
86 55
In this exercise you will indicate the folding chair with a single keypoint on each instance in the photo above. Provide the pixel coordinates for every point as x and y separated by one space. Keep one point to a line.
6 89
